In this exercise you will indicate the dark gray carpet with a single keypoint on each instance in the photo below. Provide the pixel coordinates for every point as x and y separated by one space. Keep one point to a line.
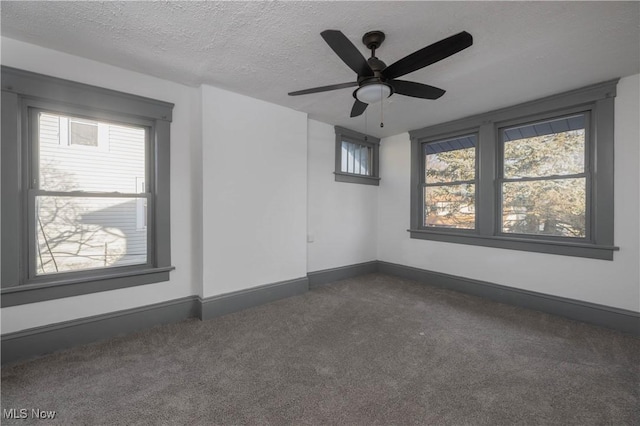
365 351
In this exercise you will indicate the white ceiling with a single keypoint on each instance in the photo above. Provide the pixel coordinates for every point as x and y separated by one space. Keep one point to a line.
521 50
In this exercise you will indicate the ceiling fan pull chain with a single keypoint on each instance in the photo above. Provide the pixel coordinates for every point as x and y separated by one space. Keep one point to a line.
365 126
381 109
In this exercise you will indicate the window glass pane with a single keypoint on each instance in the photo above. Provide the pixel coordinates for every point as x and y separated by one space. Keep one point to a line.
549 148
344 155
70 161
352 158
545 207
364 160
450 206
451 160
355 159
76 233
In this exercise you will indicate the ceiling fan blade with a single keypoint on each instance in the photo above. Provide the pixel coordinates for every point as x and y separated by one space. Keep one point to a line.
358 108
429 55
416 90
323 88
349 54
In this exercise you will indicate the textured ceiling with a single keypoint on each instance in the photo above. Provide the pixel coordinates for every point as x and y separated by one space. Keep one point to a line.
521 51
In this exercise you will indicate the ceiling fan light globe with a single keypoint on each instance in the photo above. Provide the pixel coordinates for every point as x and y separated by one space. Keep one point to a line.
372 93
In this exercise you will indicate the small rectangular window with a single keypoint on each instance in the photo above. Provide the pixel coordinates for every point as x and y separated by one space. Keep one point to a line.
79 133
544 178
83 133
356 157
449 184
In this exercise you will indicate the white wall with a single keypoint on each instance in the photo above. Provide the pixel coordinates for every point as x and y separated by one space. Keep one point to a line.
254 192
238 193
342 216
33 58
196 192
612 283
250 180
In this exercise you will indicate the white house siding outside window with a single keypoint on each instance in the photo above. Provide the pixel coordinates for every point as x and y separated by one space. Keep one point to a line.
76 158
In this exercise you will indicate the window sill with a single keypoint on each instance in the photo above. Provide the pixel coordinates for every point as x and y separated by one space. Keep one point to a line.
564 248
48 288
350 178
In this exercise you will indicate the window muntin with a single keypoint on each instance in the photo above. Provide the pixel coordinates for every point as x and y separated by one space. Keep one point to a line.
544 179
85 210
449 185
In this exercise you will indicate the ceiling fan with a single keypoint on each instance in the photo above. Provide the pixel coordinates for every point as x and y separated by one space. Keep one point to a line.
376 80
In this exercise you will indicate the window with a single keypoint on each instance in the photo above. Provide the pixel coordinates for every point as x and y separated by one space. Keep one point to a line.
535 177
86 202
449 183
82 133
356 157
543 178
77 216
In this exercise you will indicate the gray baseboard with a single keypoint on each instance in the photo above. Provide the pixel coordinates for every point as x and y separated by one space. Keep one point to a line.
335 274
29 343
604 316
223 304
36 341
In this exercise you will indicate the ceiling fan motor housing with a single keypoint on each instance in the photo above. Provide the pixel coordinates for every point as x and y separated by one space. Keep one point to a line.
378 79
373 39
